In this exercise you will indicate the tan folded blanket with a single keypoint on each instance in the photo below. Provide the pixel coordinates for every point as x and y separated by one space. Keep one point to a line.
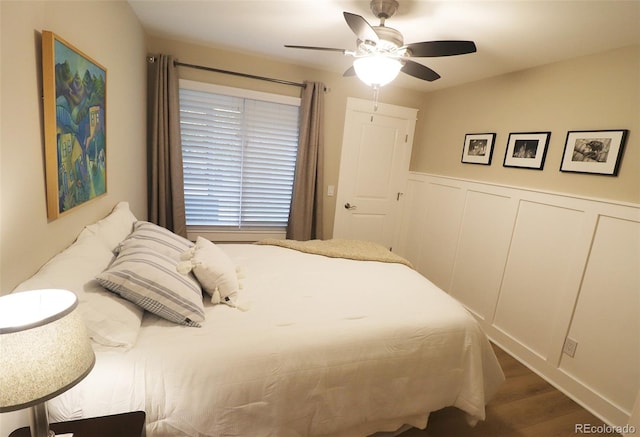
351 249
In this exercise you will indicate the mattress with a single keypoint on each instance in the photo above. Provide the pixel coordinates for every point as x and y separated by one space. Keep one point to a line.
324 347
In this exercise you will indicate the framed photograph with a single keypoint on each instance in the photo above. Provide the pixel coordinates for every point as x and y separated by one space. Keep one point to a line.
597 152
478 148
527 150
74 96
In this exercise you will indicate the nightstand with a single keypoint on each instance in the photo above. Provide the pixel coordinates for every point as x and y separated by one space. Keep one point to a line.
117 425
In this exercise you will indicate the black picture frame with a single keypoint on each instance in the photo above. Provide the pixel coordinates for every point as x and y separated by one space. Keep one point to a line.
596 151
478 148
527 150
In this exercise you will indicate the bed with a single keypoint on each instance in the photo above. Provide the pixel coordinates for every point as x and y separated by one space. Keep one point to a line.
301 344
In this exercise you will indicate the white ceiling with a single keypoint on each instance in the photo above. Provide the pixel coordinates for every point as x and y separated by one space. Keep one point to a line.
510 35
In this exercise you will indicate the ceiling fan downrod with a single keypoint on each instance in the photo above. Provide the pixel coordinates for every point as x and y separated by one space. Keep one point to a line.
390 39
384 9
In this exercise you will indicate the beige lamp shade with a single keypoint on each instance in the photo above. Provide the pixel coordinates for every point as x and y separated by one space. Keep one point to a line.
44 347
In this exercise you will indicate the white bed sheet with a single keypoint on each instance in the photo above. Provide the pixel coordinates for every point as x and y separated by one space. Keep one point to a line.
327 347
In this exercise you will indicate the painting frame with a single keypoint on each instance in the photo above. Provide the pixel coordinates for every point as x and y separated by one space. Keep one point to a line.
594 151
527 150
478 148
75 131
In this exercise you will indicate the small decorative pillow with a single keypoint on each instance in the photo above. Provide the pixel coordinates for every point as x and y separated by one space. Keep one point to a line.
149 279
214 270
159 239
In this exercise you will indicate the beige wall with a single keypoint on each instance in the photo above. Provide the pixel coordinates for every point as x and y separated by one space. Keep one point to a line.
111 34
335 100
595 92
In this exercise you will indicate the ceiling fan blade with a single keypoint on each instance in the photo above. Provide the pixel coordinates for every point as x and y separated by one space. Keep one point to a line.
441 48
328 49
420 71
350 72
360 27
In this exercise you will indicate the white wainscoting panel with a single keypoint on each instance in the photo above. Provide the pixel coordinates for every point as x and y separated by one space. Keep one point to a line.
535 267
534 281
439 232
413 214
609 297
485 235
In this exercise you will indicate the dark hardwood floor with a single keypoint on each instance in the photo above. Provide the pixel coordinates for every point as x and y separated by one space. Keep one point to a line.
525 406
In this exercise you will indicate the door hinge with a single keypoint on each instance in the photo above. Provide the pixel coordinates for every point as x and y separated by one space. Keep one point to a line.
406 138
398 196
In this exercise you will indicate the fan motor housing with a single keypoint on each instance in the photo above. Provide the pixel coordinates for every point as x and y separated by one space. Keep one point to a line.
390 38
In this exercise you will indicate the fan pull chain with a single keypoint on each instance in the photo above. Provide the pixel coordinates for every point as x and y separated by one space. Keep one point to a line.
376 93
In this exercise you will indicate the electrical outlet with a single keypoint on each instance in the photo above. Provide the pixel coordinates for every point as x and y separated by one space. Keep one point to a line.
570 346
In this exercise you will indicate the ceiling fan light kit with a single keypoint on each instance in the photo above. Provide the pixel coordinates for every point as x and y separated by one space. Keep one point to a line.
377 70
381 53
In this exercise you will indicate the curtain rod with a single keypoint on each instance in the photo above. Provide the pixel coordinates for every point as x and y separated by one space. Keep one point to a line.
235 73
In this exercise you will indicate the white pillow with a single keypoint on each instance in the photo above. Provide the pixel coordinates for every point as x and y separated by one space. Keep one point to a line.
110 321
214 270
149 279
115 227
159 239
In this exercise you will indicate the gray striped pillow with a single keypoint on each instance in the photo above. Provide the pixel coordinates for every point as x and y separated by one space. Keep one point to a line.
159 238
149 279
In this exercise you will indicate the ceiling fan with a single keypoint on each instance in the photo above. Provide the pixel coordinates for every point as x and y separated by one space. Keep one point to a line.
381 53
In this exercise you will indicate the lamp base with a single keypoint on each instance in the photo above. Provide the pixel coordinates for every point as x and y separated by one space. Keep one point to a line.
39 421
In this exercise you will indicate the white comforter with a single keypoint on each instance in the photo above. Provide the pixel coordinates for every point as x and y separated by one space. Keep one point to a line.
327 347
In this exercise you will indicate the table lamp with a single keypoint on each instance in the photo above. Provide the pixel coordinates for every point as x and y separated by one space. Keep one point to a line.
44 351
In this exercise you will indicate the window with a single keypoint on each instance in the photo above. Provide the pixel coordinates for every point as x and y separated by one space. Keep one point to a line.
239 154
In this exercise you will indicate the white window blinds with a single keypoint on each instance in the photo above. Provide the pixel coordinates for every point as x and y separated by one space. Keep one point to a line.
239 157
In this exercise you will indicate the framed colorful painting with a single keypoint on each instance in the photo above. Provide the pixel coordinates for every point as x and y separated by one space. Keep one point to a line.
74 95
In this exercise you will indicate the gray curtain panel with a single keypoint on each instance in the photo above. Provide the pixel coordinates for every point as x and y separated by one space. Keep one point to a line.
305 215
164 152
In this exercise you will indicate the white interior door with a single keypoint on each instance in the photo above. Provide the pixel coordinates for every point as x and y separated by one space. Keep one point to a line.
376 150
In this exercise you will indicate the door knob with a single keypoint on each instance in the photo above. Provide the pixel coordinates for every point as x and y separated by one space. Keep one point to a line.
349 206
